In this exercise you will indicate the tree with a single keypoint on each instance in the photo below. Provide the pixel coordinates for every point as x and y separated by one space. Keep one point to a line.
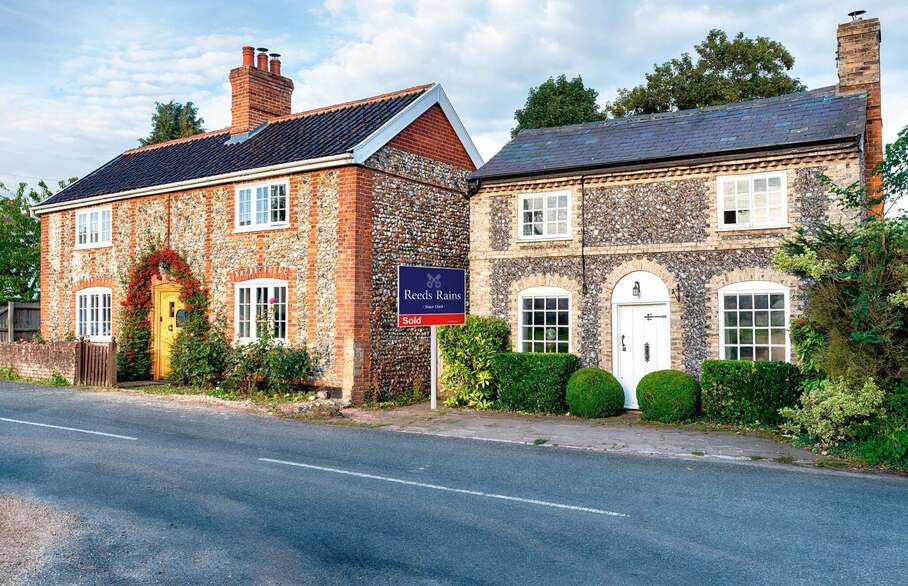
173 120
725 71
557 102
20 240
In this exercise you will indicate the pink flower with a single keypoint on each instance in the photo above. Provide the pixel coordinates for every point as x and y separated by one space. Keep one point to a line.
273 300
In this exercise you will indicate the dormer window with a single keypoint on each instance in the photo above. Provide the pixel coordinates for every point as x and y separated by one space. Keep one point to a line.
753 201
261 206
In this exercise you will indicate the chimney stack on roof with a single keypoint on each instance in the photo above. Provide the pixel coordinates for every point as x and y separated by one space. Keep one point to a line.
258 91
858 64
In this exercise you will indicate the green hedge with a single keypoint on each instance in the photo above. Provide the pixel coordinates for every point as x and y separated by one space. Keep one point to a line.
533 382
593 392
668 395
748 393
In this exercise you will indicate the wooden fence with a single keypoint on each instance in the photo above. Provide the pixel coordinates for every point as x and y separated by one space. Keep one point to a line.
23 320
97 363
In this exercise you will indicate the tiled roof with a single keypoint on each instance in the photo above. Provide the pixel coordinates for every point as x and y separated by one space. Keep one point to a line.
308 135
794 119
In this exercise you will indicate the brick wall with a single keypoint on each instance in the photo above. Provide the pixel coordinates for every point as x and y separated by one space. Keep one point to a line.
41 361
432 136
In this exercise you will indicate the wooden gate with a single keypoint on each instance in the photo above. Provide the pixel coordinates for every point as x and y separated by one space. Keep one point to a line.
97 363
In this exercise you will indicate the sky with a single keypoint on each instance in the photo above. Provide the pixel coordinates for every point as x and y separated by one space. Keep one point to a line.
78 80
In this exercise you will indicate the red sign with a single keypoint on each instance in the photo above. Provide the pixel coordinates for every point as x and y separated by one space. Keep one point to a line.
431 319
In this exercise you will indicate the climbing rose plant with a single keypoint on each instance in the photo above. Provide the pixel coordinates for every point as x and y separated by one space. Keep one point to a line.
134 356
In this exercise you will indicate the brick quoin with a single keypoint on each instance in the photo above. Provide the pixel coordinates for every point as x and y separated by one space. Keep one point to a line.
432 136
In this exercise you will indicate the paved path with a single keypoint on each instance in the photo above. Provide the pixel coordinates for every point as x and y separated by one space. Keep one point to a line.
625 434
173 494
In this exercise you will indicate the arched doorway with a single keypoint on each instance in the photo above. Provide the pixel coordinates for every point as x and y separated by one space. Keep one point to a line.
641 336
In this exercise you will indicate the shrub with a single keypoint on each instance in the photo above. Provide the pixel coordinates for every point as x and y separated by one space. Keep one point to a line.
265 366
57 380
201 353
748 393
289 369
887 448
593 392
8 373
533 382
668 395
836 412
468 351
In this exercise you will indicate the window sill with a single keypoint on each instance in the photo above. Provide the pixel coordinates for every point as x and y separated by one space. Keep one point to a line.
246 341
93 246
752 228
247 229
544 239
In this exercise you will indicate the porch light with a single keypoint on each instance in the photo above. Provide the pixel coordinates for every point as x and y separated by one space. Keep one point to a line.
636 291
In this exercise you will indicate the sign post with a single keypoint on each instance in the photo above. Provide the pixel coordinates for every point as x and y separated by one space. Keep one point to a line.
430 296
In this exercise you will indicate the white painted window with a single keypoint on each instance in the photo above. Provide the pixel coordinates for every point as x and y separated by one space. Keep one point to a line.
93 313
260 307
753 201
754 318
261 206
93 227
544 216
544 318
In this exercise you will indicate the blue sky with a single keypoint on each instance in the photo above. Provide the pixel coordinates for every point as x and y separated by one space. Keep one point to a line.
79 79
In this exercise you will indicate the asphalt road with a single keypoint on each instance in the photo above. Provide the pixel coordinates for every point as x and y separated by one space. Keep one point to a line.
180 495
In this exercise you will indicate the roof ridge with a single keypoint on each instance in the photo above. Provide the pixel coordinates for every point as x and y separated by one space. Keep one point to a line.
685 112
402 92
167 143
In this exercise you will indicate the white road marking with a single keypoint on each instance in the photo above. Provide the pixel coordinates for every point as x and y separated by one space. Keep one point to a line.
76 429
447 488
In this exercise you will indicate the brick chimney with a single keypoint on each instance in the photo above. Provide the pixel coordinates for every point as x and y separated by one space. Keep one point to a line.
258 94
858 60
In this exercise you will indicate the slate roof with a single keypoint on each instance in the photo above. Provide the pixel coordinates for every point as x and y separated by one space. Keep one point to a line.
308 135
795 119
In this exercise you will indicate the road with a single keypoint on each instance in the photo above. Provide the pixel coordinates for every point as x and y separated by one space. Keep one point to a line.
176 495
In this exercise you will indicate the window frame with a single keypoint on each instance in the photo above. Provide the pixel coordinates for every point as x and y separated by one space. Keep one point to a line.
754 288
255 225
253 284
545 291
751 178
86 213
87 292
544 237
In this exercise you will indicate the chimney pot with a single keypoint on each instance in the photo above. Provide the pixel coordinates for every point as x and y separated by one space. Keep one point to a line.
262 59
248 55
275 63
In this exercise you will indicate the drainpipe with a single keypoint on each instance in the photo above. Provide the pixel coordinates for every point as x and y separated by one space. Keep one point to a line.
583 232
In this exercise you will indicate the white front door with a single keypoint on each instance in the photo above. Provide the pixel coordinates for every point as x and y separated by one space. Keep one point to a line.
641 345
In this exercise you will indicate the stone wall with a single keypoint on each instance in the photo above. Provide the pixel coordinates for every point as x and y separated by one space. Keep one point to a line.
664 221
41 361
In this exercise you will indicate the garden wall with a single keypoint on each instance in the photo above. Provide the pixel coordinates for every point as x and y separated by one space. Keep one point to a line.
39 361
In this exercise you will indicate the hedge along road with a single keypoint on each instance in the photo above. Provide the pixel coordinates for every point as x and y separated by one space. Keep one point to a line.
203 495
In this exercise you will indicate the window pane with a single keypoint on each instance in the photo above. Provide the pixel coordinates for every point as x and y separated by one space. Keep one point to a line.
761 336
747 353
778 337
93 227
731 318
743 217
261 205
731 302
731 353
746 336
245 207
105 226
278 203
745 301
761 301
731 336
761 353
778 354
778 318
775 182
730 217
746 319
761 318
777 301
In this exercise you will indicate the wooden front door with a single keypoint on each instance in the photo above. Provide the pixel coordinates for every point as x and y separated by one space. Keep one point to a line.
169 317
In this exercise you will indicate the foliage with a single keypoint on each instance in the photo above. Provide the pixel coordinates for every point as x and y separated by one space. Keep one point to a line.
857 276
593 392
201 353
533 382
57 380
20 239
748 393
468 351
134 341
668 395
725 70
557 102
8 373
267 367
836 411
887 448
173 120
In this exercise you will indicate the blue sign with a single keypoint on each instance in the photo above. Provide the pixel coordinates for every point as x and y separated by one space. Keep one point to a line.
430 296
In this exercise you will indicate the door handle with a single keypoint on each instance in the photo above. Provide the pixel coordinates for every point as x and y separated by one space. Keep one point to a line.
646 352
170 328
623 347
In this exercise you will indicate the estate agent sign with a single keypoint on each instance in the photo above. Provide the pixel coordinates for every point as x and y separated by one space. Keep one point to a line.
430 296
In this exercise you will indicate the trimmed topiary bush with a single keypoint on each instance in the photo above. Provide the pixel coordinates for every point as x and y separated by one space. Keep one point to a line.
668 395
533 382
748 393
593 392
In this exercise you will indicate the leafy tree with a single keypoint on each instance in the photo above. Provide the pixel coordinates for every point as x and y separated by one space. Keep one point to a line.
20 240
724 71
173 120
557 102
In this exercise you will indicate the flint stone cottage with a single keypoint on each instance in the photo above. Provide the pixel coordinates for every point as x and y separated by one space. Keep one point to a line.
645 243
310 211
